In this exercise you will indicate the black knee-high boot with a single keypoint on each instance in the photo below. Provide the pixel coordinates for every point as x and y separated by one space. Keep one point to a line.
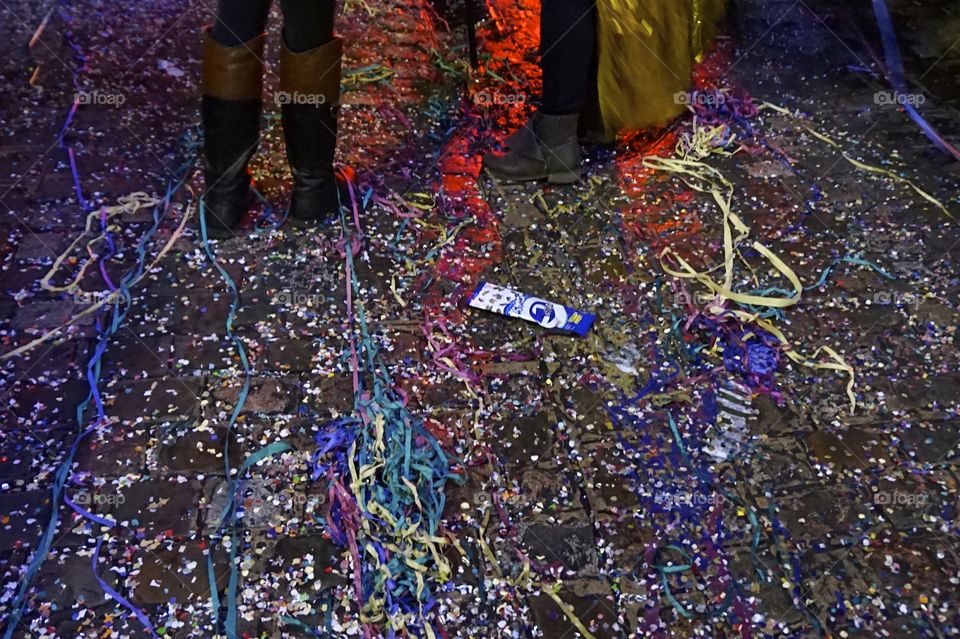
230 110
310 86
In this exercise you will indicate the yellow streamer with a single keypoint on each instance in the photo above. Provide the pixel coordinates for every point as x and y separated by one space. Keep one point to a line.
837 363
128 204
857 163
568 611
524 581
706 179
689 167
107 298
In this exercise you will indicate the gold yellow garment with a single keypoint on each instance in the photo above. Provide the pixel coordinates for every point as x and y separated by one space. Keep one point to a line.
647 49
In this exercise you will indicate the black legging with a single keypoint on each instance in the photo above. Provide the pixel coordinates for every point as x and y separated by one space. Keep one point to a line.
567 54
307 24
566 40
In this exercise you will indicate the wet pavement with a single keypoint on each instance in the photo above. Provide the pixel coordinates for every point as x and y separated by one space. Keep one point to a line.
318 424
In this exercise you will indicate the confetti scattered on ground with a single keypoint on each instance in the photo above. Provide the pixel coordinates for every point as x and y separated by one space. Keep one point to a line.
311 433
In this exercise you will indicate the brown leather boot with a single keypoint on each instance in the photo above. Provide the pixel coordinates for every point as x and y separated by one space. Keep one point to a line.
309 95
230 110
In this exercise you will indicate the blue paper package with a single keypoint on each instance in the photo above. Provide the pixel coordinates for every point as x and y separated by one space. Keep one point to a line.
505 301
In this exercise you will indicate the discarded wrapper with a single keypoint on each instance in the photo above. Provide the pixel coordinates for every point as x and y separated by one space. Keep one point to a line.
505 301
731 432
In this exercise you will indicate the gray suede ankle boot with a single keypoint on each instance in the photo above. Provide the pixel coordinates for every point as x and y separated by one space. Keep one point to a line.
545 148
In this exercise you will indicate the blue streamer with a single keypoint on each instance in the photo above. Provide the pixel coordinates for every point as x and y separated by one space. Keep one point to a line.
407 452
895 75
120 309
229 621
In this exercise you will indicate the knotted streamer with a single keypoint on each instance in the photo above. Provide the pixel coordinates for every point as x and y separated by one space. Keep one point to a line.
387 479
690 168
688 165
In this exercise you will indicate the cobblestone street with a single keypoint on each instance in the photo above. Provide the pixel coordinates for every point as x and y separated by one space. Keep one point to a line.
307 432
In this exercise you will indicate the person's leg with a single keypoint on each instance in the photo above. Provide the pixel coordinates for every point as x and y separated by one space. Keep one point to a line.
230 110
239 21
307 24
546 146
310 91
566 54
